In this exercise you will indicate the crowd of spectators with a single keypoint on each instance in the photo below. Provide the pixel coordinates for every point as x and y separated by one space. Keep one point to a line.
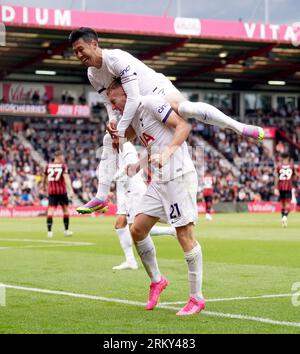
20 175
255 178
244 172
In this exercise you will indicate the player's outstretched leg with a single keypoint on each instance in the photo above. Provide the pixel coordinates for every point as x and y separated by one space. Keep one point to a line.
94 205
125 240
209 114
105 173
162 230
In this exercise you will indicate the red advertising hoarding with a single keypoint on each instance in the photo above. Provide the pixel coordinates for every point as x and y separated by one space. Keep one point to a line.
151 25
69 110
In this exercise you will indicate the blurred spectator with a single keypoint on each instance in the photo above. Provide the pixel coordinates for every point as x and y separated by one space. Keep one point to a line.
82 99
35 97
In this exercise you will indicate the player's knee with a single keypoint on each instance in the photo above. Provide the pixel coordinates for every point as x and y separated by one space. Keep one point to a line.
185 234
120 223
137 232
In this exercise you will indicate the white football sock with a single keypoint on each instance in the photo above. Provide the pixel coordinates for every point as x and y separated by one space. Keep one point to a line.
209 114
162 230
126 243
146 251
107 168
194 262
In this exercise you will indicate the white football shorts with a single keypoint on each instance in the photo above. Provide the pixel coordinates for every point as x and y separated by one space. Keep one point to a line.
173 202
164 87
128 203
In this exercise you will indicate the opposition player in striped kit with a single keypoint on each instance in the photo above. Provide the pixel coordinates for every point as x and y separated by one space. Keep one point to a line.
57 181
285 177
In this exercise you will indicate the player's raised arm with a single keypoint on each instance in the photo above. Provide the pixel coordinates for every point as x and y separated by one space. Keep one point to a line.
128 77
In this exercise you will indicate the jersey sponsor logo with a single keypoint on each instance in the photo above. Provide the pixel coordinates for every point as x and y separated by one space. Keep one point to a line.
162 108
124 71
146 139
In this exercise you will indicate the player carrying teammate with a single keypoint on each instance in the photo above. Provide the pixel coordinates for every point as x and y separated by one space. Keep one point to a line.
172 194
285 177
58 180
104 66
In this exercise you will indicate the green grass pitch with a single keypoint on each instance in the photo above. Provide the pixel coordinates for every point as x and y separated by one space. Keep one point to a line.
245 255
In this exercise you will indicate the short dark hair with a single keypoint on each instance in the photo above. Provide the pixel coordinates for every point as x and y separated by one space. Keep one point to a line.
86 33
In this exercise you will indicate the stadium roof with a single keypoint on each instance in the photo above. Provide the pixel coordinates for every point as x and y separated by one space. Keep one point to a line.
192 59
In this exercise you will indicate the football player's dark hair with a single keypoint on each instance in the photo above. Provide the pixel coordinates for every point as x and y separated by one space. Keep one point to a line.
86 33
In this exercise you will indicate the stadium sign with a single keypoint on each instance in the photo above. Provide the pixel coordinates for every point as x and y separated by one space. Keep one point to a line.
23 92
150 25
39 16
11 108
69 110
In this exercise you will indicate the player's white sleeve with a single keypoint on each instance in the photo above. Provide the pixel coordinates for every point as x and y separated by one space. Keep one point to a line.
125 70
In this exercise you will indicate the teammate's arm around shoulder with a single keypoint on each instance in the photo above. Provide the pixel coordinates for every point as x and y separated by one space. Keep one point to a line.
181 132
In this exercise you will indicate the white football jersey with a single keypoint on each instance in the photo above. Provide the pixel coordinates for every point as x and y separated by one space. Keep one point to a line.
149 126
136 78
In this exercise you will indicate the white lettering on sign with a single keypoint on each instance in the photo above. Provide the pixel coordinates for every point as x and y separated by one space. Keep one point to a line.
40 16
187 26
62 18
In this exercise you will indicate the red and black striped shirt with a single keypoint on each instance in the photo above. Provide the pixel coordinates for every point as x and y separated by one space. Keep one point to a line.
55 174
285 177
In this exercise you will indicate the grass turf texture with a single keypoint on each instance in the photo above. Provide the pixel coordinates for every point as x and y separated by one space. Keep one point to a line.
244 255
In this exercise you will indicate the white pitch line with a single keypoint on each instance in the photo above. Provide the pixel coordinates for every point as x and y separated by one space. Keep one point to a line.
271 296
34 246
243 317
138 303
48 241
